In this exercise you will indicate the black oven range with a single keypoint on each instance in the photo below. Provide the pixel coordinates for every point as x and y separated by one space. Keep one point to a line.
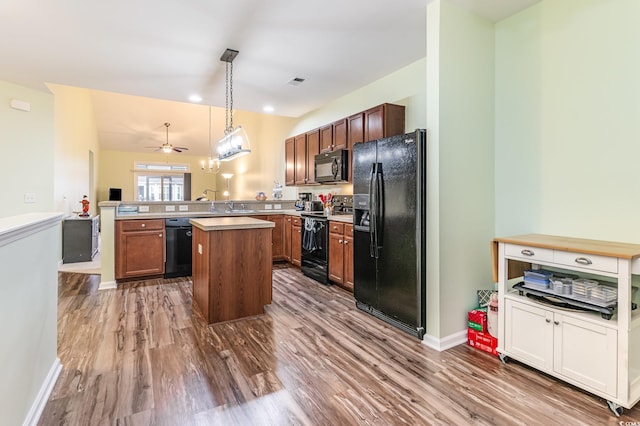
315 240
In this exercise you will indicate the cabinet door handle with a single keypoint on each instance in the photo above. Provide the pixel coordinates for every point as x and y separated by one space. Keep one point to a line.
583 261
527 252
556 322
339 241
144 225
547 320
160 235
346 242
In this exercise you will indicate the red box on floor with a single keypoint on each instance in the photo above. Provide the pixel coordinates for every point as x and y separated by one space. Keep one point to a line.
478 319
483 341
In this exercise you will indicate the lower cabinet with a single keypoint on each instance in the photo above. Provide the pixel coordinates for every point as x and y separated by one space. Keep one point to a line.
341 254
139 248
556 342
296 240
287 238
277 235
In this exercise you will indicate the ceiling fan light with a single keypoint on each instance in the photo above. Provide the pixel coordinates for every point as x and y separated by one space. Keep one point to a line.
166 149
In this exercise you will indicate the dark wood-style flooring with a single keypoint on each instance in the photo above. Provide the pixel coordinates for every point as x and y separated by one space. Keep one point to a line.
142 355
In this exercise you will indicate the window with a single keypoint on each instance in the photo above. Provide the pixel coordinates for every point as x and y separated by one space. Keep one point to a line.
162 182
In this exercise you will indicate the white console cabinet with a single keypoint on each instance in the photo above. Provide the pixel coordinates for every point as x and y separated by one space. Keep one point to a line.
599 355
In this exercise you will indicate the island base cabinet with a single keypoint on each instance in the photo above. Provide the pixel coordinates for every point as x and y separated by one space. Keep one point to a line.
232 273
576 350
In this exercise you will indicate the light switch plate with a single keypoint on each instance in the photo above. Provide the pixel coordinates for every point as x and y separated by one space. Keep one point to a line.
183 208
143 209
169 208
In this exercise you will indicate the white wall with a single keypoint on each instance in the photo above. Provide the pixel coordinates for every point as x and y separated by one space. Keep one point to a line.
28 319
460 112
567 109
27 150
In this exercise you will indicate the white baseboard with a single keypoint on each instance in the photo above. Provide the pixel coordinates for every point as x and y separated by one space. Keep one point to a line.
106 285
447 342
43 395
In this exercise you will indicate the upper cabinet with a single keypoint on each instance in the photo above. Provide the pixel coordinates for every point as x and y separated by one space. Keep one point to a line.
375 123
326 138
290 162
306 147
334 136
355 129
383 121
300 145
313 149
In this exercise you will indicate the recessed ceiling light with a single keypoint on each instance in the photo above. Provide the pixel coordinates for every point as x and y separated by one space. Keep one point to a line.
195 98
268 108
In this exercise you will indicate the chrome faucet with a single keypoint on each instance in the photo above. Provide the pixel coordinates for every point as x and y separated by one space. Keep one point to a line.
229 204
213 207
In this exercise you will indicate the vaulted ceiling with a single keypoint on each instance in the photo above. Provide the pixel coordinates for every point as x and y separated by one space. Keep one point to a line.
169 50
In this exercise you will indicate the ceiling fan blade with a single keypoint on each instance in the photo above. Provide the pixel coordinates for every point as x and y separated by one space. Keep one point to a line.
182 148
176 149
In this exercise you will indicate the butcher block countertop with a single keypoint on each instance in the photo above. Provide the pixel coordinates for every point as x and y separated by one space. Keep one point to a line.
229 223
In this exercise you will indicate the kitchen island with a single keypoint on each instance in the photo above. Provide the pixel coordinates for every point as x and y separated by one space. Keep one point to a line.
231 267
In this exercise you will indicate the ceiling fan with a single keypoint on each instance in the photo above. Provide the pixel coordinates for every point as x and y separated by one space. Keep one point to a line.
166 147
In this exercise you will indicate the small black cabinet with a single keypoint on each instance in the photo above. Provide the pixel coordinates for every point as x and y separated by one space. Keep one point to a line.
79 239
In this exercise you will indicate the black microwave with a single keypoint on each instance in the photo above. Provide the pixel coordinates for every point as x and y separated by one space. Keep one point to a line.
331 167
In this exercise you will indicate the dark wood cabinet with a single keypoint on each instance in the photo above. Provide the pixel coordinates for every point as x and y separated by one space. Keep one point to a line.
296 241
348 256
334 136
313 149
375 123
341 254
326 138
290 162
139 248
355 129
300 176
277 235
383 121
287 238
236 281
339 129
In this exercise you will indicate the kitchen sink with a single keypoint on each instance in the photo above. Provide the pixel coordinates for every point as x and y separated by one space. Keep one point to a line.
241 211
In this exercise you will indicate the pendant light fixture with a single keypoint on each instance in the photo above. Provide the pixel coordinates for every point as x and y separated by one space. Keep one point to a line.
235 142
212 165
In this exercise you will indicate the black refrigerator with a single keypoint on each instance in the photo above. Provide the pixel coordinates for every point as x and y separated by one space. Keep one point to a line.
389 202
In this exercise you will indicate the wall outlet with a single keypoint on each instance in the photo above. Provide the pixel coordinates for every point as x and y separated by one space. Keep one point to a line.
169 208
183 208
278 206
29 197
143 209
268 206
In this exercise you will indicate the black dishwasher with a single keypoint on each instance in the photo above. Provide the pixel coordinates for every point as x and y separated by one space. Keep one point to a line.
178 250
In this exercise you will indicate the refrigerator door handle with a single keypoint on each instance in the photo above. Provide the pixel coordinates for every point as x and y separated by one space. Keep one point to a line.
372 214
379 209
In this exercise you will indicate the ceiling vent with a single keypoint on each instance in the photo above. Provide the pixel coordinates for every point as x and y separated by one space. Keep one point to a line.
296 81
